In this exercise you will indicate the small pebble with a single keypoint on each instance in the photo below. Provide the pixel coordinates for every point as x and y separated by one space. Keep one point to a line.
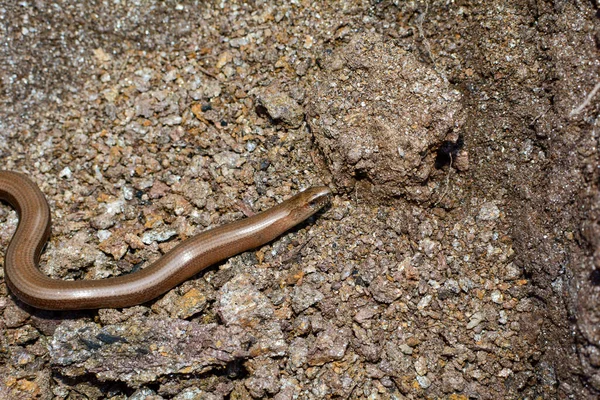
488 212
423 381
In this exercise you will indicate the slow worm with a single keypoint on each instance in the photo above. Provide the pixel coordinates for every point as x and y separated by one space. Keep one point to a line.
191 256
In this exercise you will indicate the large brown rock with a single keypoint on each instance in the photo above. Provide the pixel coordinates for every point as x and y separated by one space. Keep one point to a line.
380 115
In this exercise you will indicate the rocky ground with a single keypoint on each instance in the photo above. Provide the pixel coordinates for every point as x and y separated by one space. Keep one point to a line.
458 258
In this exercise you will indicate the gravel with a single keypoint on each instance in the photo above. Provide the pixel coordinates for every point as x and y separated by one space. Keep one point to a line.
458 258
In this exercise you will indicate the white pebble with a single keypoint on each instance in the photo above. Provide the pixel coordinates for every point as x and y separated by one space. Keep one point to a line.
424 302
65 173
103 234
424 381
488 212
497 297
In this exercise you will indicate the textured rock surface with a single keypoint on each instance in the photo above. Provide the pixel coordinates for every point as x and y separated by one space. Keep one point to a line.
379 115
116 352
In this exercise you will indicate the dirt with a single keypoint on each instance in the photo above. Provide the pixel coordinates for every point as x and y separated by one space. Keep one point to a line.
458 259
